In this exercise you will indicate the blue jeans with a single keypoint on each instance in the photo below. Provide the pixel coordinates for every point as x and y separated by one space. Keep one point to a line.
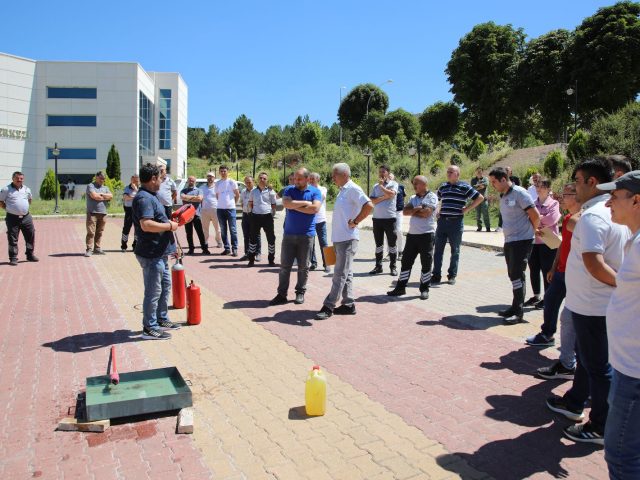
227 220
622 433
553 297
593 371
567 340
157 285
321 231
449 229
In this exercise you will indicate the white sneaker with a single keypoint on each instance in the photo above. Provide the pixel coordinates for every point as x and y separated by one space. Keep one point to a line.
499 229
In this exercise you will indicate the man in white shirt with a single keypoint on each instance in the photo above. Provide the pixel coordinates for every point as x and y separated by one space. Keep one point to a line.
209 208
351 207
597 249
535 178
168 192
321 224
622 433
227 194
15 198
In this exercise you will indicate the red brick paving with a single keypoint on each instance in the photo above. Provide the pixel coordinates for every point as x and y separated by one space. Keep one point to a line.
57 322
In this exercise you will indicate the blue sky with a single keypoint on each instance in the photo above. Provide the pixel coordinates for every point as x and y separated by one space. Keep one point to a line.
275 60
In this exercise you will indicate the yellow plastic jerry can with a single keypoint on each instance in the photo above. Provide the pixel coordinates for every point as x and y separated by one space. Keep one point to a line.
316 392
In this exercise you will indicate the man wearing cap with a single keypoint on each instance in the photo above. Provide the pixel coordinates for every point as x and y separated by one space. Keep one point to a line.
97 195
597 250
168 192
15 198
622 432
209 209
191 195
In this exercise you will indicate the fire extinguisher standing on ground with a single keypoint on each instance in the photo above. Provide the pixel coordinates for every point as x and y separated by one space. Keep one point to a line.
193 304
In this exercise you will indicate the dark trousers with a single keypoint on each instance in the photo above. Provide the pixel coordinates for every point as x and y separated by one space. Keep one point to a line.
382 227
450 230
540 262
482 213
15 225
417 244
321 233
264 222
516 254
196 224
247 219
128 223
553 297
593 371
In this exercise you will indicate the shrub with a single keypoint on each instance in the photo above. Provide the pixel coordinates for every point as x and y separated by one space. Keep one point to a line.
527 176
554 164
436 167
578 147
618 133
113 163
477 148
456 159
48 186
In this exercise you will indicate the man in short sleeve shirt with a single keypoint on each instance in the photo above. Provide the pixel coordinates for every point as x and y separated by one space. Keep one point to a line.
191 195
383 197
97 195
520 220
209 209
262 203
168 192
227 194
352 207
321 224
129 193
15 198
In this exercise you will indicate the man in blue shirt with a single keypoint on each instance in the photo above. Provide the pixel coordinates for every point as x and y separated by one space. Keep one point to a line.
302 202
156 242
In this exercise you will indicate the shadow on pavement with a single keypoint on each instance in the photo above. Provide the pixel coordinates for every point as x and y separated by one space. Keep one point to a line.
63 255
86 342
463 322
246 304
537 451
492 308
299 413
299 318
523 361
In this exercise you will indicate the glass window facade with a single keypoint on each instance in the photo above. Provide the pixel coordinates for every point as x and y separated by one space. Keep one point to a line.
72 92
145 126
164 126
71 121
74 154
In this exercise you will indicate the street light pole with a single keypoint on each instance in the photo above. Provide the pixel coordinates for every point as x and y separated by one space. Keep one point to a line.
367 153
56 153
574 91
340 142
373 91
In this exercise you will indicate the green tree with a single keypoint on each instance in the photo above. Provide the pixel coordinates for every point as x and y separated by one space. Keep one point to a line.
370 128
400 120
195 141
273 139
48 186
553 164
353 108
382 149
213 146
113 163
477 148
578 147
311 134
605 59
441 121
481 73
243 137
618 133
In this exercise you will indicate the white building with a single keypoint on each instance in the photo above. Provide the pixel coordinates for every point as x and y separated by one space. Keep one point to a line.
85 107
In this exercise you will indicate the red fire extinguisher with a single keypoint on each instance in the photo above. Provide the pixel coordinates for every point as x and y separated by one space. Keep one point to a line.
178 285
193 304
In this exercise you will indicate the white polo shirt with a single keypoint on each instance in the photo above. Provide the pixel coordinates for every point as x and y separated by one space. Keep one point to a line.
225 190
594 232
321 216
623 321
16 200
348 204
209 199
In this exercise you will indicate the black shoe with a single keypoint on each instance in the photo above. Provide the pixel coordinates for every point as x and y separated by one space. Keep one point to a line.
345 309
313 266
123 247
394 272
251 263
278 300
243 258
514 319
205 251
557 371
168 325
424 295
13 262
506 313
532 301
451 280
234 253
584 433
190 252
479 229
32 258
225 252
397 292
539 305
488 229
540 340
272 264
299 299
559 405
377 270
324 313
155 335
435 279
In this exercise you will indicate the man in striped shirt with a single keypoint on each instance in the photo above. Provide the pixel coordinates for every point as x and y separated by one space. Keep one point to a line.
453 195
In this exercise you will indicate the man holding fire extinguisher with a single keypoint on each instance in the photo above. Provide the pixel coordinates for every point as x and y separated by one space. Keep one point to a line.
155 244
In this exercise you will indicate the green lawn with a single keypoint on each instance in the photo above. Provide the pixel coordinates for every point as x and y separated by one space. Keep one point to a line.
67 207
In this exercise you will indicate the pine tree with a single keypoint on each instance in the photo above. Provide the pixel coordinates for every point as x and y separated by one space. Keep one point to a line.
48 186
113 163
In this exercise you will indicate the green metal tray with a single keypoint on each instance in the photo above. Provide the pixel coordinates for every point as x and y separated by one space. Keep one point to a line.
145 391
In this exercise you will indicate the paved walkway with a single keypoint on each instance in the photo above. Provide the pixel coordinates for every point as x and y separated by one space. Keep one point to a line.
435 389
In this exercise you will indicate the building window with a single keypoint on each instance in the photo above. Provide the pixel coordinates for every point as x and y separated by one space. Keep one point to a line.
168 160
164 127
145 126
74 154
71 121
72 92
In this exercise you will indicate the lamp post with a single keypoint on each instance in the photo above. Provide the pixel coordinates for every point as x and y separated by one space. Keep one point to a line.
340 141
373 91
56 154
367 153
574 91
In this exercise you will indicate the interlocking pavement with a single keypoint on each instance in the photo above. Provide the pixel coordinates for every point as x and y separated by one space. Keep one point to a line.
417 389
